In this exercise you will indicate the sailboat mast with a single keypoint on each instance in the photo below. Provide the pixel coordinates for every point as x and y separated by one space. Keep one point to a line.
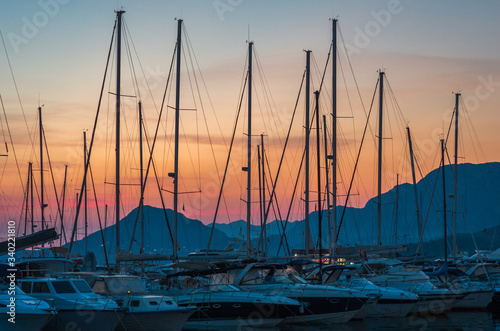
318 162
105 220
62 208
334 134
42 202
31 197
176 153
117 142
444 203
327 189
85 186
259 168
264 230
455 179
397 211
380 132
415 190
141 169
249 150
307 124
26 204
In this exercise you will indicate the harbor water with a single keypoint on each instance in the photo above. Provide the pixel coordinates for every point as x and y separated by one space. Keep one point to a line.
455 321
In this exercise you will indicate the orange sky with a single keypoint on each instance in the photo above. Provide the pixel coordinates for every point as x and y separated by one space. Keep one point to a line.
424 65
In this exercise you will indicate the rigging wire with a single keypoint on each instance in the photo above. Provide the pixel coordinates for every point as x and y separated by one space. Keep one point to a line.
357 160
91 143
22 111
99 218
151 150
52 175
271 196
276 207
226 167
193 57
11 142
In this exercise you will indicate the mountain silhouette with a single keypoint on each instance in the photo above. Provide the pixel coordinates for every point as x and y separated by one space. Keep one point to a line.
478 193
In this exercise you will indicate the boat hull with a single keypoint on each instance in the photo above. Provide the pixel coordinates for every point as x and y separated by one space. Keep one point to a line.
215 314
26 322
494 305
474 300
386 309
436 304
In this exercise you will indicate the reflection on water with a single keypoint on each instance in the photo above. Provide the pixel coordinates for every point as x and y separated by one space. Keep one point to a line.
454 321
451 321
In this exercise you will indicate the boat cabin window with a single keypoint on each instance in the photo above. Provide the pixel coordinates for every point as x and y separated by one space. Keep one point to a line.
40 287
253 277
134 303
26 287
63 287
153 303
82 286
486 271
169 302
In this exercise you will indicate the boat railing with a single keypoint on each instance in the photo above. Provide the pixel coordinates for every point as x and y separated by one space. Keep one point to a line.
51 302
107 302
416 288
161 300
364 286
74 305
205 297
38 304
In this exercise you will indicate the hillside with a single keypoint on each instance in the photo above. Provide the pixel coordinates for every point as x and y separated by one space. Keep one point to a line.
479 190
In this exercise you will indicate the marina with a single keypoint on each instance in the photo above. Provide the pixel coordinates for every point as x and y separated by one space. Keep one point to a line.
177 212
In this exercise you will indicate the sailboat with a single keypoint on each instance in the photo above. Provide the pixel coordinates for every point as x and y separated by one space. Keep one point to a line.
45 234
222 305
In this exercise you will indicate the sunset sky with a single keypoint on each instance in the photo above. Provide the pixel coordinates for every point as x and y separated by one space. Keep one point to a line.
58 48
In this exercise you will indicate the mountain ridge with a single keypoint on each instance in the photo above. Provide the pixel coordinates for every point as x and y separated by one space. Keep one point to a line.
479 187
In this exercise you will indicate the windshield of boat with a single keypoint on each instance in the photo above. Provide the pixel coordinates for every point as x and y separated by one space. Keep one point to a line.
82 286
485 271
266 276
63 287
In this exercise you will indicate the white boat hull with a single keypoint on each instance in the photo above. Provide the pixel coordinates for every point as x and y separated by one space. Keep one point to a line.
434 305
375 310
475 300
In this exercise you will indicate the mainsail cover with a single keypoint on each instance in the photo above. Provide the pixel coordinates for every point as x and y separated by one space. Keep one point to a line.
34 239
